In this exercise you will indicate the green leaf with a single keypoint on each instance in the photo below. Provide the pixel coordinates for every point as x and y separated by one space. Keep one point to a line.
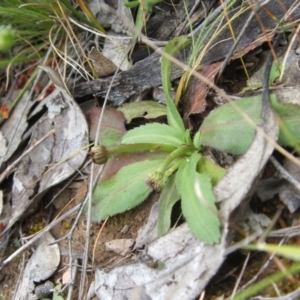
175 45
56 295
198 201
214 171
289 122
187 137
150 3
110 137
125 191
169 196
274 73
154 133
197 140
227 130
119 161
132 4
143 109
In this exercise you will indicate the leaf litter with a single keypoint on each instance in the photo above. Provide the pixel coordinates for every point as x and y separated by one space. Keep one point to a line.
54 160
170 265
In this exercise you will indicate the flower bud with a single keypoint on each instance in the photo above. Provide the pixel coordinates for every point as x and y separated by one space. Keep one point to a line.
156 181
99 154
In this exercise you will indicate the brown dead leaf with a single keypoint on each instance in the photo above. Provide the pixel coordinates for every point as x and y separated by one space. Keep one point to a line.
102 65
258 42
54 160
21 81
112 126
117 47
194 97
4 111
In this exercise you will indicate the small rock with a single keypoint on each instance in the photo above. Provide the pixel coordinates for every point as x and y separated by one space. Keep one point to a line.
120 246
125 229
44 290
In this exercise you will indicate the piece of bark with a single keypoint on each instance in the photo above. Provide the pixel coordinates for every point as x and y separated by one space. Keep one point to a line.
147 73
169 17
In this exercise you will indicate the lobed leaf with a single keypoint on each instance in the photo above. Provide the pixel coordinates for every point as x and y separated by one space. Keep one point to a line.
213 170
154 133
227 130
143 109
124 191
198 201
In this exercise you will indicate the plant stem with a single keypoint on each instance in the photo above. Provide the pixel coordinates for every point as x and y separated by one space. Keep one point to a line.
183 150
101 154
174 167
127 148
